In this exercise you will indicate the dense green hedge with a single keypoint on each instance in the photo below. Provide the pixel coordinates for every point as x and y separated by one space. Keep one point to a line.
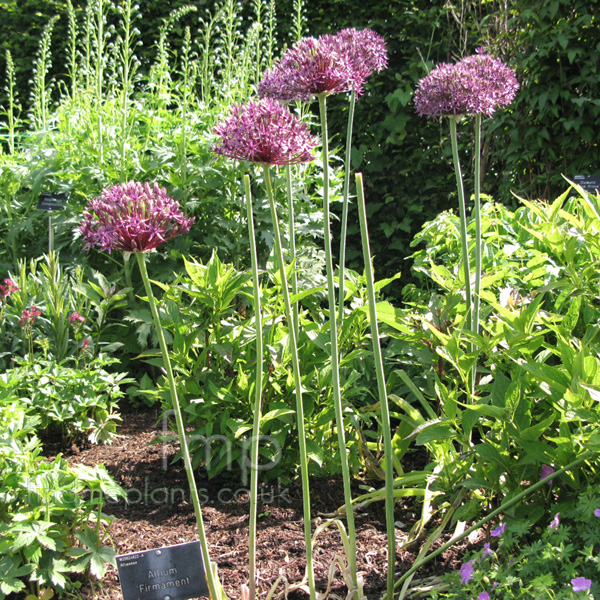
549 130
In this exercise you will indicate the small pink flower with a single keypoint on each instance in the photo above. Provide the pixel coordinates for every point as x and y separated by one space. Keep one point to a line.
76 318
28 317
9 287
85 345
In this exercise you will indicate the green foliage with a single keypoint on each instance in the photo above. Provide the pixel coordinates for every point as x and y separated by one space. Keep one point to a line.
70 402
538 562
51 518
536 357
209 316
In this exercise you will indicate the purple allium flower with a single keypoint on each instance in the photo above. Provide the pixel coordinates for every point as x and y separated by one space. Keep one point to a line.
326 65
264 132
597 512
546 471
311 67
478 84
366 52
555 522
499 530
133 217
581 584
466 572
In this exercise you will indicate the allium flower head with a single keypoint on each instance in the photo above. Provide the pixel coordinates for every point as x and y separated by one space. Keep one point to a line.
478 84
466 572
264 132
581 584
366 52
132 217
326 65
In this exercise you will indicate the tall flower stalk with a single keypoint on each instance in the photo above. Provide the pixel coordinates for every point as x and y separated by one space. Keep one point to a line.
477 85
267 133
318 68
258 388
381 389
137 218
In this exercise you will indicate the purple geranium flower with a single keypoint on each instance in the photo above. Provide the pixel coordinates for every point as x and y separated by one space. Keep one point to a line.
499 530
555 522
478 84
466 572
133 217
326 65
581 584
487 550
264 132
597 512
546 471
483 596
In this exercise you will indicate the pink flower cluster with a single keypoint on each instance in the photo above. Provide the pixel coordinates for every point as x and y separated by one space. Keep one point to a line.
133 217
7 288
28 317
478 84
76 317
264 132
326 65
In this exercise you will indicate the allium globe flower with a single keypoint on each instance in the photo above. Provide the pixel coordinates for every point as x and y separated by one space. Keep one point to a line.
265 132
326 65
132 217
311 67
478 84
365 51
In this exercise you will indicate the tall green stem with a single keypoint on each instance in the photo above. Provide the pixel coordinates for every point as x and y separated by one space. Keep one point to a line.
381 388
335 358
254 450
478 240
297 385
463 221
292 242
344 232
215 589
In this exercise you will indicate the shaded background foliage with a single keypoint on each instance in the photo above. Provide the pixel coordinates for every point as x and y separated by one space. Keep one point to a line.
550 130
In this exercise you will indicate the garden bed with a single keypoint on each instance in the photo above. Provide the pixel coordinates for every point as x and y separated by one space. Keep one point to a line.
158 514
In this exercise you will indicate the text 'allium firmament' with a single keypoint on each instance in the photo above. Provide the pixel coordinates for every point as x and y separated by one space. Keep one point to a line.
478 84
327 65
133 217
264 132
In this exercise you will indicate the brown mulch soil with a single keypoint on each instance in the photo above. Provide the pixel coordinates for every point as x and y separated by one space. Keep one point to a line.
159 513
